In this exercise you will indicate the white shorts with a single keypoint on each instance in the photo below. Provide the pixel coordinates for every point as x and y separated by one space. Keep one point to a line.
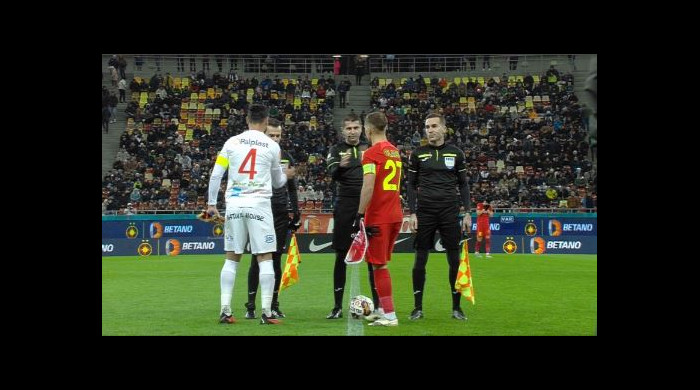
253 219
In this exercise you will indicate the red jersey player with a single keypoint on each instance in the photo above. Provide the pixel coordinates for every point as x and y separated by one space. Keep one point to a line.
483 229
381 208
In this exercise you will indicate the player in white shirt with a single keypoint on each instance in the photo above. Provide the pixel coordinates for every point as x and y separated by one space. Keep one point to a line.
253 162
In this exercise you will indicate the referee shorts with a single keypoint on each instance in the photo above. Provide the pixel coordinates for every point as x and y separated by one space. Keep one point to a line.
441 218
280 216
343 217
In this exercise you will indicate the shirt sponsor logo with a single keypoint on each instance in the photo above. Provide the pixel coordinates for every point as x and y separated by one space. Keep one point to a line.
253 142
247 215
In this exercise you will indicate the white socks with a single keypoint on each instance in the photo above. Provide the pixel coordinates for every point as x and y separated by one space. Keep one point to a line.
267 284
228 277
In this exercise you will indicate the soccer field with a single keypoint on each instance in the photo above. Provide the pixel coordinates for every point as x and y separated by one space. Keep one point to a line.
519 294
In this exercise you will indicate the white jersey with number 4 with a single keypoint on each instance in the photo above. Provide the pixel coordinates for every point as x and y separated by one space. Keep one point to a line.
250 157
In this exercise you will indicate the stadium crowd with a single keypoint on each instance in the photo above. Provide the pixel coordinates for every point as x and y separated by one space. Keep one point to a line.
524 137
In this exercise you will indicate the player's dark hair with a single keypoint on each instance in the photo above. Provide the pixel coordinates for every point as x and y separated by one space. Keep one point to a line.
442 118
351 118
257 113
274 122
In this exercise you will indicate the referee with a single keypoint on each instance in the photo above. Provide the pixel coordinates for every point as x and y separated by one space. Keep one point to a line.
283 224
345 168
435 171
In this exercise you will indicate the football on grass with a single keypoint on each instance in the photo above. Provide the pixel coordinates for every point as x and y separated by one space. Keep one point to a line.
361 305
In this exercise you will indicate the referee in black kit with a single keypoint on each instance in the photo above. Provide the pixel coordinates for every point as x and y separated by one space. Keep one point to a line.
283 224
345 167
434 173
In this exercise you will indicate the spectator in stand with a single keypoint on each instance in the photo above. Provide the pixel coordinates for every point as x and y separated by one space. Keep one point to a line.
121 63
106 114
122 91
114 74
486 63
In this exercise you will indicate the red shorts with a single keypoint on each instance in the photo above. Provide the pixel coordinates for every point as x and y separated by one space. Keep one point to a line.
381 245
483 230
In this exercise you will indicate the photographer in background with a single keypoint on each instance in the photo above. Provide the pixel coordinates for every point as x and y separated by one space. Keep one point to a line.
483 230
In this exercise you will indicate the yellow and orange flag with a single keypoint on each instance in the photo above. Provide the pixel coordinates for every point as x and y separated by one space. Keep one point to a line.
463 284
290 275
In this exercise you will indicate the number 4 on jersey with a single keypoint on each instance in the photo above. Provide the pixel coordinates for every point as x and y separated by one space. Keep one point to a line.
250 157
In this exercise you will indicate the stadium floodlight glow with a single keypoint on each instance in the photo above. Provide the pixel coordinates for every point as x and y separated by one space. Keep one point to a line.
336 55
363 56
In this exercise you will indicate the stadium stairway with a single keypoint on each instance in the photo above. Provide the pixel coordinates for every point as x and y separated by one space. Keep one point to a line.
357 99
110 141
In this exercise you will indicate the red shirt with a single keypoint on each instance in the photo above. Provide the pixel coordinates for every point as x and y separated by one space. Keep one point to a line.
383 159
483 218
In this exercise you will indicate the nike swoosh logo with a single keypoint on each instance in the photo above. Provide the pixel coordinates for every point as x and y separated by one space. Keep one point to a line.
401 240
338 289
315 248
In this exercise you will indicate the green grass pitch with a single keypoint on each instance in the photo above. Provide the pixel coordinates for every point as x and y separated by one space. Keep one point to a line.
518 294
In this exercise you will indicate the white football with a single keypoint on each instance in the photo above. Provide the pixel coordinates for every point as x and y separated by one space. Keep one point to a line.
361 305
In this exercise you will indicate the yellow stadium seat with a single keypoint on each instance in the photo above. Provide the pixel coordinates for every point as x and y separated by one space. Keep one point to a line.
427 80
462 102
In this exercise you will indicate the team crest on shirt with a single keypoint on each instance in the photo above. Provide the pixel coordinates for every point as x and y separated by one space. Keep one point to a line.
450 162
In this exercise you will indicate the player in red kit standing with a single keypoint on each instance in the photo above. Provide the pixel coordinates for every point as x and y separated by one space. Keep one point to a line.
380 207
483 229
